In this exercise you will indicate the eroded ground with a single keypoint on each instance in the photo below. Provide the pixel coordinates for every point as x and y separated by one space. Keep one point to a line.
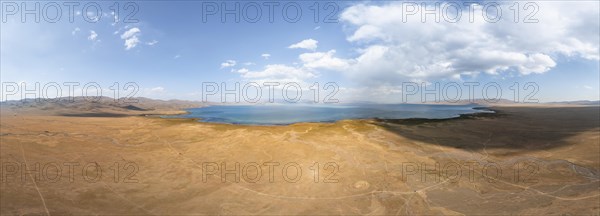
524 160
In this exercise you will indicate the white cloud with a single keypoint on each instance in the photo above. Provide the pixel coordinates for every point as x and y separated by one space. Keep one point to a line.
309 44
278 73
393 50
228 63
130 33
177 56
536 63
266 55
93 35
249 63
151 43
131 42
131 38
388 51
324 60
157 89
317 28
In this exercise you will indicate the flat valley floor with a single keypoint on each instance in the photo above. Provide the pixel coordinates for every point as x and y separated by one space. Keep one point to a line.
521 160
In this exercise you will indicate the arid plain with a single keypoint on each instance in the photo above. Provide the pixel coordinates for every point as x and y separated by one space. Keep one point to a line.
540 160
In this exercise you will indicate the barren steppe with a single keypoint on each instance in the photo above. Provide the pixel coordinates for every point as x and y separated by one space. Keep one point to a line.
537 160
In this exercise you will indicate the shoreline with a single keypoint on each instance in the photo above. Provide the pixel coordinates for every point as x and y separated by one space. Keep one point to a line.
416 121
486 112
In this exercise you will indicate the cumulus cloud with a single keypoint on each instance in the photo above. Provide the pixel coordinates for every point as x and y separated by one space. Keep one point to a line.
228 63
278 73
93 35
130 33
131 38
131 42
536 63
390 48
323 60
309 44
266 55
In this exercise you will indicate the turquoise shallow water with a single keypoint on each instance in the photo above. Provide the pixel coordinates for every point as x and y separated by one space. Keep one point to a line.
273 114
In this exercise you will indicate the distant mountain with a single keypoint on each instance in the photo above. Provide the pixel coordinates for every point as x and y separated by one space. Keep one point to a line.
579 102
499 102
105 105
480 101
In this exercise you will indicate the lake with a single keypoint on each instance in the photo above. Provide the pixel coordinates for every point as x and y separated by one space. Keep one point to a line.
282 114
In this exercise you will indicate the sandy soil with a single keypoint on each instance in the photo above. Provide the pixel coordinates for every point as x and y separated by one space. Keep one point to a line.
523 160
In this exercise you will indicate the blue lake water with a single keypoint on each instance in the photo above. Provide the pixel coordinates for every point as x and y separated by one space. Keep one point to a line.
276 114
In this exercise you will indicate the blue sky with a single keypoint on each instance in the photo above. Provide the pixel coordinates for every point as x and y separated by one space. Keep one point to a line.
369 52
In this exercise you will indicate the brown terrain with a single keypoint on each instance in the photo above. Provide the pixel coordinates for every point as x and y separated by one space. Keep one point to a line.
88 158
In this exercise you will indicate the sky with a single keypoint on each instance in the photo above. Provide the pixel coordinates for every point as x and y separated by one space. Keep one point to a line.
372 51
